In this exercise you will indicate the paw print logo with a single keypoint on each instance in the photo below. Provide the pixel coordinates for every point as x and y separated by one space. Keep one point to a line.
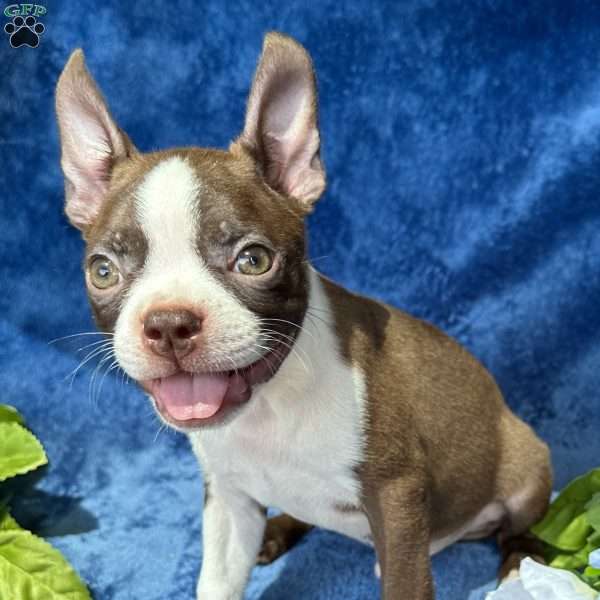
24 32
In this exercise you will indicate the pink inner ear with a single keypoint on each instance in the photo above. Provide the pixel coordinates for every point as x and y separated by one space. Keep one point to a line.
283 104
93 152
290 137
87 160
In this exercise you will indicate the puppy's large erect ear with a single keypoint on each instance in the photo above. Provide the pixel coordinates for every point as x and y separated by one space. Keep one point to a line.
91 142
281 129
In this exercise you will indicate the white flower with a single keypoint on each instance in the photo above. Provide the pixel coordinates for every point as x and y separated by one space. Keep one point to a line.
537 582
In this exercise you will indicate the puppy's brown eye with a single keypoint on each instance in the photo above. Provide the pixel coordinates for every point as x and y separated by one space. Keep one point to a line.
103 272
253 260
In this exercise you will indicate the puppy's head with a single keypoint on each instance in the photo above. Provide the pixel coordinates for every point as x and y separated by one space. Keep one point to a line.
195 257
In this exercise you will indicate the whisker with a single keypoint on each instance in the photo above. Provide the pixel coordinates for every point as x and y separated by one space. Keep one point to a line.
275 332
314 324
162 427
74 335
311 315
92 384
90 356
261 355
126 378
268 320
325 310
277 337
98 343
115 366
103 378
314 260
235 368
295 351
150 411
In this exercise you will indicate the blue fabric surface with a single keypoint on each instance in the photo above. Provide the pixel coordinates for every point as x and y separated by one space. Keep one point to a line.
462 146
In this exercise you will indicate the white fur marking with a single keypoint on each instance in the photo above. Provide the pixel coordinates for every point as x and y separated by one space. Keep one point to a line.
295 445
167 211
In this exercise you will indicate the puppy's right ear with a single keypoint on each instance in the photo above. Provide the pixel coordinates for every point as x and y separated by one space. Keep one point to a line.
91 142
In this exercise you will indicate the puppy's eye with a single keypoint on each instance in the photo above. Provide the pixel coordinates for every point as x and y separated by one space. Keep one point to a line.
253 260
103 273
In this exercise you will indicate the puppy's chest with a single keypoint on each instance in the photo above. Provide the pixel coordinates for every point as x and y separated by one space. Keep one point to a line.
296 452
287 469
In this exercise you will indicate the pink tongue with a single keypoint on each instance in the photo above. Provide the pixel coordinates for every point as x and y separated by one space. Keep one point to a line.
192 396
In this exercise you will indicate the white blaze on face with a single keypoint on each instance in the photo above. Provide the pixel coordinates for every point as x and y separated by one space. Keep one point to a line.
168 205
167 210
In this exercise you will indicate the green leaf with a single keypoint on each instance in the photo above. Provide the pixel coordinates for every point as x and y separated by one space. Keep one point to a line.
571 562
566 526
591 572
31 569
9 414
592 577
20 451
568 529
593 512
594 540
7 522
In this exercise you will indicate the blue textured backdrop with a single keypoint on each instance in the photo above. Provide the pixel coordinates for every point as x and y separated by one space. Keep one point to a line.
462 143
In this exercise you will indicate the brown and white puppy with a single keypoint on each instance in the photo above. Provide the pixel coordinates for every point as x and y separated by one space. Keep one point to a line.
343 412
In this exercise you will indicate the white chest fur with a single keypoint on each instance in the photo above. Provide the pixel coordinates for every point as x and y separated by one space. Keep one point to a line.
295 445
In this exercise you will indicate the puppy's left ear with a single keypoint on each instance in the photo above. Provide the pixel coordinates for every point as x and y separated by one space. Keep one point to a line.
281 130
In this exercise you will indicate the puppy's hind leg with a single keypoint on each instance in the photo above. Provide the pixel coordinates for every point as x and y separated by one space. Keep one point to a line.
281 534
514 541
526 485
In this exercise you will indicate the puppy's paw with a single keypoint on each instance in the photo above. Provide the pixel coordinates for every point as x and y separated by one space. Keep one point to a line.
377 570
509 569
514 550
281 533
271 550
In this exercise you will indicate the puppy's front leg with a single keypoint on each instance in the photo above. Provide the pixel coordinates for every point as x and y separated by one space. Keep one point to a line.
397 512
233 525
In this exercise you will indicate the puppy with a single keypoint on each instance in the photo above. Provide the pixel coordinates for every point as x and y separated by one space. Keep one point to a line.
343 412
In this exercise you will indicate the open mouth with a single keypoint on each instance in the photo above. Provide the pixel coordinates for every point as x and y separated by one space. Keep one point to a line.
190 400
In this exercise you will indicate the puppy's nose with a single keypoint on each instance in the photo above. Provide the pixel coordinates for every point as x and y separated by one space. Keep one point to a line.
172 333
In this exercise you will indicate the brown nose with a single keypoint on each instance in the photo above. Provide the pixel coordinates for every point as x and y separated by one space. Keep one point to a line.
172 333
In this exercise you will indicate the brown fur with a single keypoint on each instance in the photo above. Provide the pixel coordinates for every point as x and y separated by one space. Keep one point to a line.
441 442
